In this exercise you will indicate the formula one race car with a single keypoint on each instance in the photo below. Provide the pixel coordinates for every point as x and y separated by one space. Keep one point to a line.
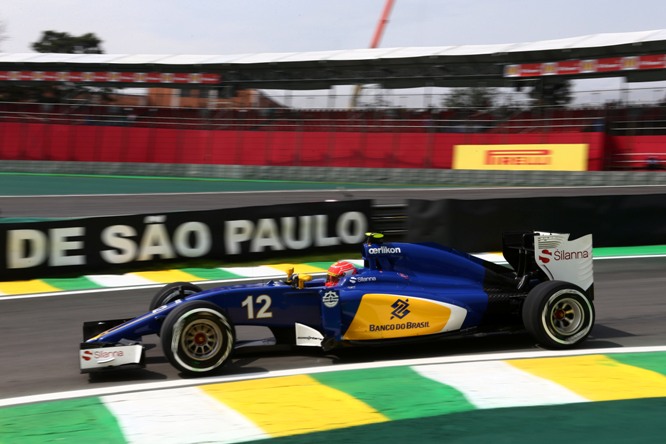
403 291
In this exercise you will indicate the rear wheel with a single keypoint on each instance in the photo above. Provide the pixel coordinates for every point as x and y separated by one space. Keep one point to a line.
558 314
197 338
172 292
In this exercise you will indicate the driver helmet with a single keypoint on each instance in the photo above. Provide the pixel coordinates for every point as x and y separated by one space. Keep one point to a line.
339 270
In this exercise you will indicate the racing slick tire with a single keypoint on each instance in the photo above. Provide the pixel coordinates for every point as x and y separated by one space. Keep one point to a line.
559 315
197 338
172 292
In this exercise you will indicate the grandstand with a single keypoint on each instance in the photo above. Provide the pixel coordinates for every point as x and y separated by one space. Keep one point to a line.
220 109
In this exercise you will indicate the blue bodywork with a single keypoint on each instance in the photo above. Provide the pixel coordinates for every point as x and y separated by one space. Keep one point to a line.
400 271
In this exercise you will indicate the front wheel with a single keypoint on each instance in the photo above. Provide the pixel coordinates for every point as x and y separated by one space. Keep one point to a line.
197 338
172 292
558 314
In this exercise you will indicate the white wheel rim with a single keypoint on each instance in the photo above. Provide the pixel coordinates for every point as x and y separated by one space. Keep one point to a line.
201 339
183 329
566 319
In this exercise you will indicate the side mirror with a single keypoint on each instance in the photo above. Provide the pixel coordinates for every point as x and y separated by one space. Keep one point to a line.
376 237
302 280
290 276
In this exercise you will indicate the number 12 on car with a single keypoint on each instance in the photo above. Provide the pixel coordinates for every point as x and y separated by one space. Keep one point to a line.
262 302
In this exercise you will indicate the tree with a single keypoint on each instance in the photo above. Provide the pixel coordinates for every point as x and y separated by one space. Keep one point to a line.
475 97
63 42
551 92
58 42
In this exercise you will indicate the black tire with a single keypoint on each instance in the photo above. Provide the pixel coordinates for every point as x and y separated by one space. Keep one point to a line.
197 338
172 292
559 315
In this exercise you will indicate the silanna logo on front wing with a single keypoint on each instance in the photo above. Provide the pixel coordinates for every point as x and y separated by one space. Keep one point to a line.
102 355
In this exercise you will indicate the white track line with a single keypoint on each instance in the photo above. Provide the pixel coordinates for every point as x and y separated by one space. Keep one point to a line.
332 368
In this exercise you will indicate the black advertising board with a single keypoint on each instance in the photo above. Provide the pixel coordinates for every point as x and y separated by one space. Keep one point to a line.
476 225
80 246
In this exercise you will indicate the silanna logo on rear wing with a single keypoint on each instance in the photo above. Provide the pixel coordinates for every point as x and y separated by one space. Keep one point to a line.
564 259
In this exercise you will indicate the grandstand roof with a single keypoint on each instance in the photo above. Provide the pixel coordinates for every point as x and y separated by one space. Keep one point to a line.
392 67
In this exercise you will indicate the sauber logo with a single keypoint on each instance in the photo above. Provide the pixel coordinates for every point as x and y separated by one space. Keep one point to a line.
101 354
331 299
561 255
519 157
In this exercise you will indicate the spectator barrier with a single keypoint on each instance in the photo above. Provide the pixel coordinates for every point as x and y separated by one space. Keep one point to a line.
377 149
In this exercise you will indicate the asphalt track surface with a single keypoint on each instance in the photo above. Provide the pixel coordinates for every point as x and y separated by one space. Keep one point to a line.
40 336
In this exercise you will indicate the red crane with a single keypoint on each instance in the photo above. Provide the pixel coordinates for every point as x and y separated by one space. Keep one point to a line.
374 43
382 23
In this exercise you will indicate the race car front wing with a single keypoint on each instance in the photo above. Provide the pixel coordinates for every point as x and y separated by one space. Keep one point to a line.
100 356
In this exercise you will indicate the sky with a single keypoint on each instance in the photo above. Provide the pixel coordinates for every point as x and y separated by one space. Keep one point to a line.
203 27
256 26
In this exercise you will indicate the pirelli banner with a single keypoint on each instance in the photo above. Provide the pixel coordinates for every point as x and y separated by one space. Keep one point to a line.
80 246
540 157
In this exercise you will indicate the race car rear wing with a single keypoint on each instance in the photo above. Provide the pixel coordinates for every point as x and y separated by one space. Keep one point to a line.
553 254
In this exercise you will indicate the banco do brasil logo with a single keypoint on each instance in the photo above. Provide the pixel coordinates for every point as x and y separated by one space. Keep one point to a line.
400 309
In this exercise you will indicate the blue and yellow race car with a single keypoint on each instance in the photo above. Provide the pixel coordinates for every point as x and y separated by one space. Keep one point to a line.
402 292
